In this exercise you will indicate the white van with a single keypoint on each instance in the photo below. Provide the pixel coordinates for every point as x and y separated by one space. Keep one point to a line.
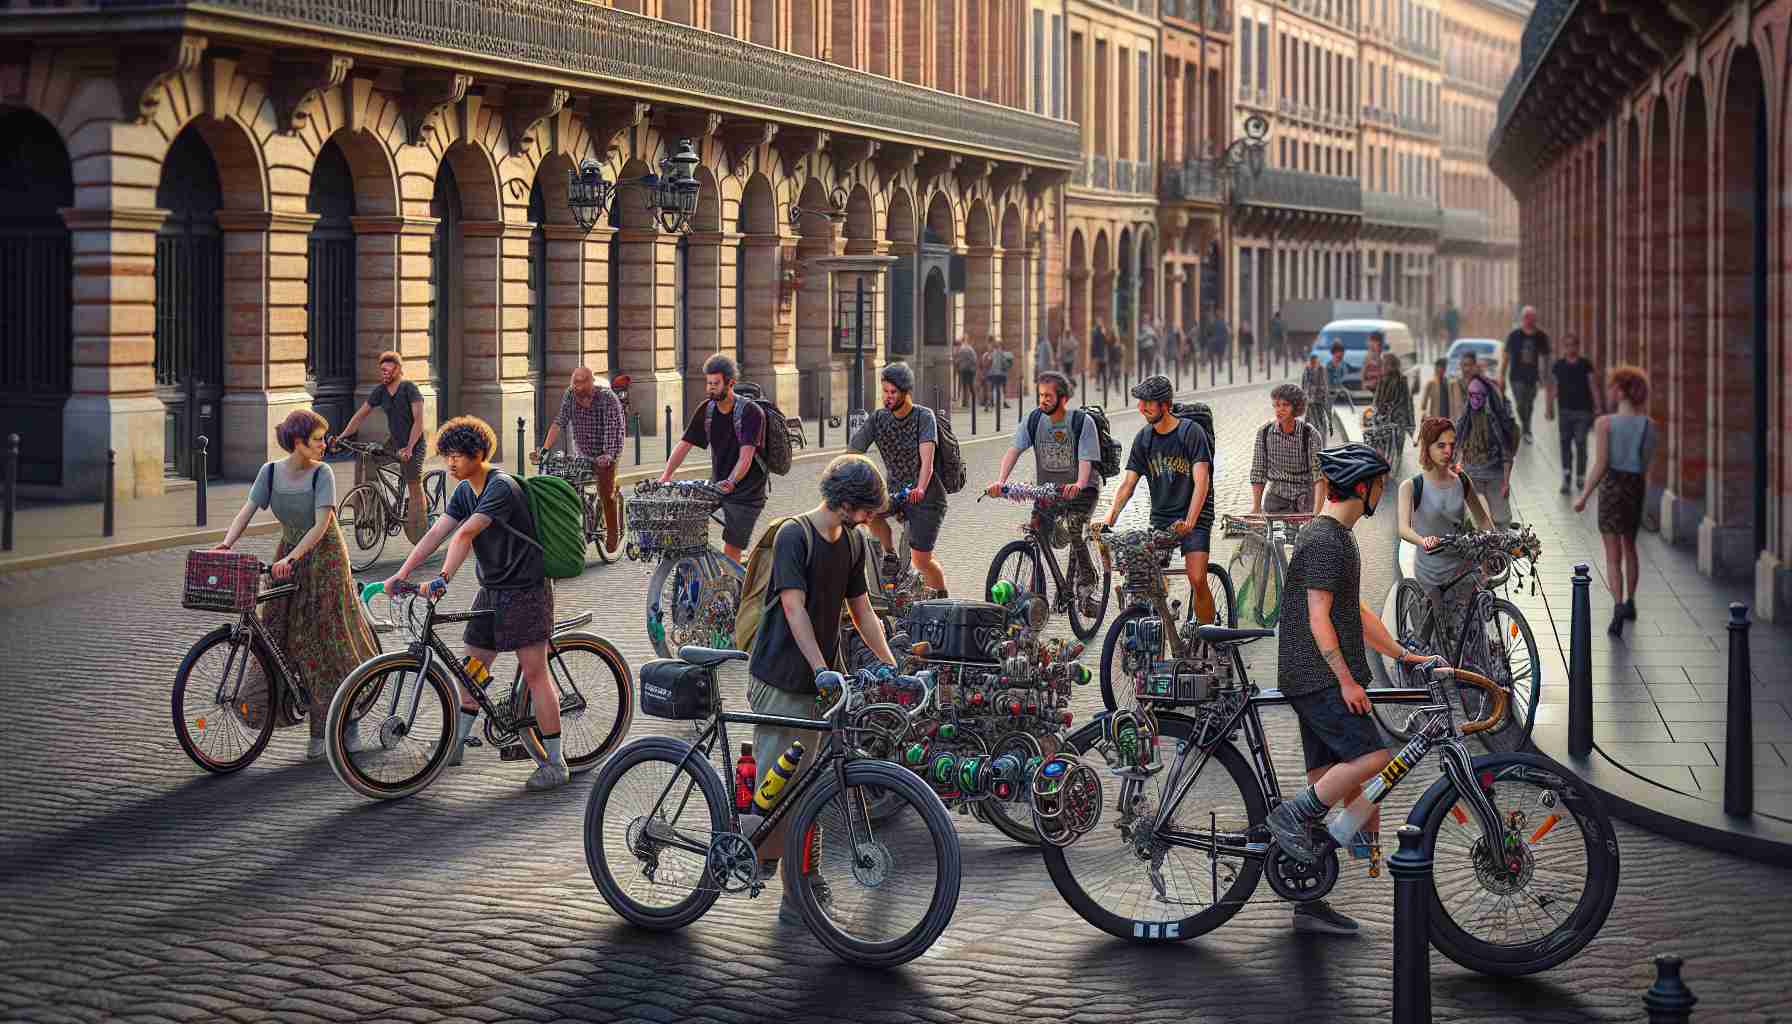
1354 334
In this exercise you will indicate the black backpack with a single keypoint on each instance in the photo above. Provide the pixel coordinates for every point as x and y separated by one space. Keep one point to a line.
1109 466
1202 414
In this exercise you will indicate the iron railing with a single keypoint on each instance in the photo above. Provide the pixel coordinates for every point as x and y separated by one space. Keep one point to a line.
1464 225
1401 211
1279 186
1098 171
1545 23
1143 177
1193 179
1123 175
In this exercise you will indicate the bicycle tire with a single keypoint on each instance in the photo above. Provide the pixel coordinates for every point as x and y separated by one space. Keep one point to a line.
435 495
372 672
704 892
1084 627
578 759
656 594
1522 688
1110 647
1412 622
1274 586
1225 606
177 705
1028 557
361 515
1601 848
947 875
1060 861
598 535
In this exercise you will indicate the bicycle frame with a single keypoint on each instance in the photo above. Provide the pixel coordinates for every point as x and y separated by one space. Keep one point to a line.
250 623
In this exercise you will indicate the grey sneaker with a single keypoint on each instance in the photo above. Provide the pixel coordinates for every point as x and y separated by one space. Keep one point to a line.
549 776
1291 833
1318 916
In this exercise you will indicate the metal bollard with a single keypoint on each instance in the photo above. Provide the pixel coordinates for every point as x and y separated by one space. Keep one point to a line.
12 490
635 422
1580 665
821 422
668 433
1104 389
1001 400
108 517
522 460
1231 366
1739 731
1411 869
1669 1001
1082 389
203 465
974 414
936 397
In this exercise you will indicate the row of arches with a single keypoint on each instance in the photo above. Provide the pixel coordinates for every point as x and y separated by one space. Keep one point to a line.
1114 279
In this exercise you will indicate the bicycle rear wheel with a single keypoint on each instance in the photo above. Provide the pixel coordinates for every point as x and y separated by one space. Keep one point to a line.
362 519
1219 588
1088 597
1140 886
597 697
1018 562
221 725
376 744
649 823
1507 653
1545 894
597 535
876 895
435 495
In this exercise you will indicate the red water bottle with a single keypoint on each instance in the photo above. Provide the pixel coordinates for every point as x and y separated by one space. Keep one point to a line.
746 775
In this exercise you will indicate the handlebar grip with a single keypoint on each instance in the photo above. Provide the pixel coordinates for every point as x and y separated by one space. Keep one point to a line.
372 590
1496 716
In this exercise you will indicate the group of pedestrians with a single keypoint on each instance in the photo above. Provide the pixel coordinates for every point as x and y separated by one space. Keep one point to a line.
983 376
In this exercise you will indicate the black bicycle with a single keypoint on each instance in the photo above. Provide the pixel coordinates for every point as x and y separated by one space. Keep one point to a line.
386 741
1493 638
1025 562
663 840
1153 632
375 509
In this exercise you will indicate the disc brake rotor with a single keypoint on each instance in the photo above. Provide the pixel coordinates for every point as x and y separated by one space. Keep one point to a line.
871 863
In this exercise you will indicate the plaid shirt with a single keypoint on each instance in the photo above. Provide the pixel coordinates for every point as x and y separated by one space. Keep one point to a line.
1276 459
596 428
1317 383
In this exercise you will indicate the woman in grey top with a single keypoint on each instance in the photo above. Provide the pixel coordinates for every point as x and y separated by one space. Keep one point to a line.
1444 502
1623 444
320 627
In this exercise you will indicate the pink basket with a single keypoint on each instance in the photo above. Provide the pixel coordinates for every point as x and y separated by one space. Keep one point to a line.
221 581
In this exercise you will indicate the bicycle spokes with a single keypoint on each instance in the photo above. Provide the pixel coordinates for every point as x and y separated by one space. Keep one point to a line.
1527 882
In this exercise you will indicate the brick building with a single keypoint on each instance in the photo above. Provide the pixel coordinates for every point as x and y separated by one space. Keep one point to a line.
1648 146
224 211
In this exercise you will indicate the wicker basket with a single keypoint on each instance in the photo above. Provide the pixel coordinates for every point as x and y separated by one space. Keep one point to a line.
663 524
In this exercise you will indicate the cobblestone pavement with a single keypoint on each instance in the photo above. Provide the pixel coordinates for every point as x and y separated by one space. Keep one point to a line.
135 888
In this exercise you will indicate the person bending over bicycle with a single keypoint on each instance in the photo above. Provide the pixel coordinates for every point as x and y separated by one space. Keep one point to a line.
1285 477
907 435
818 567
1176 456
1321 664
593 416
732 428
489 517
403 403
1066 447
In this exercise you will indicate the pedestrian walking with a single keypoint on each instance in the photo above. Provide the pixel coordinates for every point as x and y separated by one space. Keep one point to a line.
964 360
1452 321
907 436
403 402
1443 393
1371 375
1285 478
1246 341
1219 337
1315 383
1000 362
1393 396
1572 388
984 361
1067 353
1437 501
1278 335
1044 356
592 415
1521 365
1100 342
1487 446
1147 348
1623 443
320 625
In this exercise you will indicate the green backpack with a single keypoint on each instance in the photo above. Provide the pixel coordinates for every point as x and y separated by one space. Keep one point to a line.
559 519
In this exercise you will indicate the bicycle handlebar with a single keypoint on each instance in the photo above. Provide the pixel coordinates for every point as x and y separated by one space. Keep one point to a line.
1029 492
1498 693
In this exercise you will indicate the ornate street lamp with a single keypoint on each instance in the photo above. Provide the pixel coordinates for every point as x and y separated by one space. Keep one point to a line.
1244 154
835 213
673 190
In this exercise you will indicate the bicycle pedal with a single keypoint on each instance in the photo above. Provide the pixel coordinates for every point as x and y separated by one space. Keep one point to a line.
514 752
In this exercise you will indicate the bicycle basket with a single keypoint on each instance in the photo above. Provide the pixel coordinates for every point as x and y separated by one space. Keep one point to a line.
220 581
660 524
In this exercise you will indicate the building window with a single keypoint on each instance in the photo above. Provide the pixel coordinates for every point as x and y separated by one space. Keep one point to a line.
1263 57
1057 65
1038 62
1145 106
1244 53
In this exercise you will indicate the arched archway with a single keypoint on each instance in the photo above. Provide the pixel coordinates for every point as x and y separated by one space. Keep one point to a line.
814 317
979 278
1016 262
1101 290
756 274
940 225
189 358
446 250
331 291
899 231
1078 299
937 310
35 290
1683 383
537 290
1147 277
1126 285
938 236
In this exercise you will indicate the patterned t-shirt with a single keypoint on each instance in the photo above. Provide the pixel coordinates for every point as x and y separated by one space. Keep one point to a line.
898 440
1325 558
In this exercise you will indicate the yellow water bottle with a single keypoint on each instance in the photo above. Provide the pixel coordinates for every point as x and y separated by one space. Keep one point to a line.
776 779
477 671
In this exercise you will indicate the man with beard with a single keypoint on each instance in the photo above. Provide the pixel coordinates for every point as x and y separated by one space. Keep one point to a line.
1176 456
593 416
732 428
907 435
1066 447
1486 445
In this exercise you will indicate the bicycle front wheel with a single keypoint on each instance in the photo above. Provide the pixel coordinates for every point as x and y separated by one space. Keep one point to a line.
1508 655
597 697
1088 596
875 894
672 596
391 730
435 494
1249 567
221 708
362 518
1144 873
1018 562
1119 689
1544 894
649 822
1412 619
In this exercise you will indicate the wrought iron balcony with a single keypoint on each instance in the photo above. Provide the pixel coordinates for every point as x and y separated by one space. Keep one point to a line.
1142 177
1396 210
1193 179
1464 225
1279 186
1540 29
1098 171
1123 175
614 50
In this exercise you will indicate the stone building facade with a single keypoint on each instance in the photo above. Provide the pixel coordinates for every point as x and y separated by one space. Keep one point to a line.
229 209
1648 145
1478 244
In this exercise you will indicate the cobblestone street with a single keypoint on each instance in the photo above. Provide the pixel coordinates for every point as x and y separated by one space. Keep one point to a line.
137 888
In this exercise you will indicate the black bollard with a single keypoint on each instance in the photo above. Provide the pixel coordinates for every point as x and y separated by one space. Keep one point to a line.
522 461
1669 1001
1249 367
1411 869
1580 665
107 517
12 490
936 397
668 433
1231 366
1082 390
821 422
200 470
974 413
635 422
1001 400
1739 733
1104 389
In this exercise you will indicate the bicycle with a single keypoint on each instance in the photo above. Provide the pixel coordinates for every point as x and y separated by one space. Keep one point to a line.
1493 637
581 473
1085 600
400 752
1526 862
663 858
221 714
374 509
1261 561
1144 636
1387 438
695 589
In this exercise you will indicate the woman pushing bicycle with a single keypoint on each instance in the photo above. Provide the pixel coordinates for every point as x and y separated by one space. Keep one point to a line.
1432 505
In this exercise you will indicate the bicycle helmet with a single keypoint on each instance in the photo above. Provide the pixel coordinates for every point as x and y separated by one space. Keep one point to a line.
1348 465
1155 388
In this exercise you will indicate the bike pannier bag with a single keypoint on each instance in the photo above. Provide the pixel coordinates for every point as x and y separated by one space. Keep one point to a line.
559 518
958 630
1109 466
221 581
948 460
677 690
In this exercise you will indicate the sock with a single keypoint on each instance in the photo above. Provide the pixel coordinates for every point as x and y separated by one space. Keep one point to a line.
1307 805
551 746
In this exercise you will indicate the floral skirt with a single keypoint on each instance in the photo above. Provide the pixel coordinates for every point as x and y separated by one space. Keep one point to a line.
320 628
1621 497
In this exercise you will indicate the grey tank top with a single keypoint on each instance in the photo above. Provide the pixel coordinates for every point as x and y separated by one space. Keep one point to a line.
1629 440
1440 511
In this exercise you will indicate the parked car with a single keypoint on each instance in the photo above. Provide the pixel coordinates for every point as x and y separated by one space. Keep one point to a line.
1486 350
1355 336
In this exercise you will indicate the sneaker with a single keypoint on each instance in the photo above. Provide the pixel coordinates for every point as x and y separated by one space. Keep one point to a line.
1566 488
1319 917
1527 438
316 749
1291 833
1630 609
1617 626
549 776
1580 484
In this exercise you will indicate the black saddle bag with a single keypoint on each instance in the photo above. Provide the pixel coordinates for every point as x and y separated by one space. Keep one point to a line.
677 690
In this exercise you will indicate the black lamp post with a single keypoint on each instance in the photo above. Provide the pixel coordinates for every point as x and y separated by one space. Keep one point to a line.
674 190
835 213
1242 155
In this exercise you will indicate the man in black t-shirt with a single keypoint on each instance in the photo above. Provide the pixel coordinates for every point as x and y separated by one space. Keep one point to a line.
1322 667
818 566
732 428
907 436
1521 366
403 403
1573 389
1176 457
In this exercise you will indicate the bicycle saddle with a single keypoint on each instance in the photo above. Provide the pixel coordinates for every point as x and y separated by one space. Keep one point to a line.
709 657
1223 635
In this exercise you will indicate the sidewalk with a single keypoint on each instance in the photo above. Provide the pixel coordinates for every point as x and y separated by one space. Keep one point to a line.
1660 691
50 533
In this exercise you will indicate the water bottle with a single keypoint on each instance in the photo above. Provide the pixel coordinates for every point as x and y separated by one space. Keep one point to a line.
775 780
476 671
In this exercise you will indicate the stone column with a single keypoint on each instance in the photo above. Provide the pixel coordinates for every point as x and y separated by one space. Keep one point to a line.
494 349
763 350
594 344
1012 270
709 287
112 402
265 261
814 324
392 260
567 308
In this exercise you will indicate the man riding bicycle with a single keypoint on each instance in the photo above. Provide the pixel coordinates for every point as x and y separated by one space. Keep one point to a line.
403 403
593 416
1285 477
732 428
1322 666
1066 447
